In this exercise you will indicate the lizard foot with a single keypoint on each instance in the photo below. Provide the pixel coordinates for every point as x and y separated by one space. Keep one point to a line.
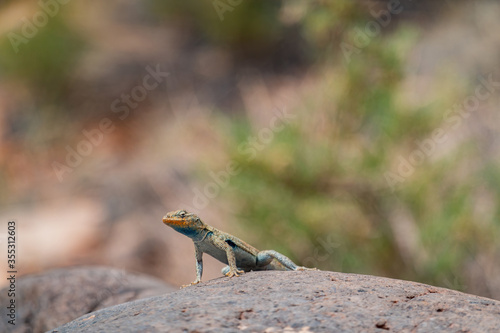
191 284
301 268
236 272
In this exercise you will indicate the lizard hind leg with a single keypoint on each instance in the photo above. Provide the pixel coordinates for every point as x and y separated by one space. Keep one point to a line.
265 257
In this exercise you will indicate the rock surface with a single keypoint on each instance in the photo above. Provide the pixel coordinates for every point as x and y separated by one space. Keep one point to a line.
311 301
47 300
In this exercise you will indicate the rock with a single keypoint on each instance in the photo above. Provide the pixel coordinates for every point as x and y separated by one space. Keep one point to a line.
47 300
307 301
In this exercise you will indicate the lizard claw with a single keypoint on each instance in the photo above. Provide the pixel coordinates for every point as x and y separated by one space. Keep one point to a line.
236 272
302 268
191 284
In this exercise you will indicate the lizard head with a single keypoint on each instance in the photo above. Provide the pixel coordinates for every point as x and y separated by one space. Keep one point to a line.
184 222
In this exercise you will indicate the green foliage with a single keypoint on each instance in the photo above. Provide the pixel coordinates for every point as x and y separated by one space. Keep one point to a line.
43 61
319 192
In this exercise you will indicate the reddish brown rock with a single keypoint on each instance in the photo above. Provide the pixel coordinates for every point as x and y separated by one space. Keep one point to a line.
310 301
47 300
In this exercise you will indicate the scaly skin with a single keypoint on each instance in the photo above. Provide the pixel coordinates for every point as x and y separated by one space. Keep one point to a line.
238 255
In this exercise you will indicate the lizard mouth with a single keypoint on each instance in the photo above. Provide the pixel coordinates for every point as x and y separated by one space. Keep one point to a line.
174 221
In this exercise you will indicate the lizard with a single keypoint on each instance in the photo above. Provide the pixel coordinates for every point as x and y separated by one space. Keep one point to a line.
228 249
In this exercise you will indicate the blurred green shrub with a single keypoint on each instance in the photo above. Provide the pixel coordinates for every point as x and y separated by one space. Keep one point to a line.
319 190
44 62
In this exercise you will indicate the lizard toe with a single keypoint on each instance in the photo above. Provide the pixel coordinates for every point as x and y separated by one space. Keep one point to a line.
191 284
234 273
301 268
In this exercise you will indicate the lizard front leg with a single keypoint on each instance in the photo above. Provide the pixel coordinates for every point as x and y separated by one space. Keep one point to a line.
199 266
231 260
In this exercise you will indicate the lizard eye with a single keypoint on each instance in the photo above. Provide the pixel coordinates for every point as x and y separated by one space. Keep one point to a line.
182 214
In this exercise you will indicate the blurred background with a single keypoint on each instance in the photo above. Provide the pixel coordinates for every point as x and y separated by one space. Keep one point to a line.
353 136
